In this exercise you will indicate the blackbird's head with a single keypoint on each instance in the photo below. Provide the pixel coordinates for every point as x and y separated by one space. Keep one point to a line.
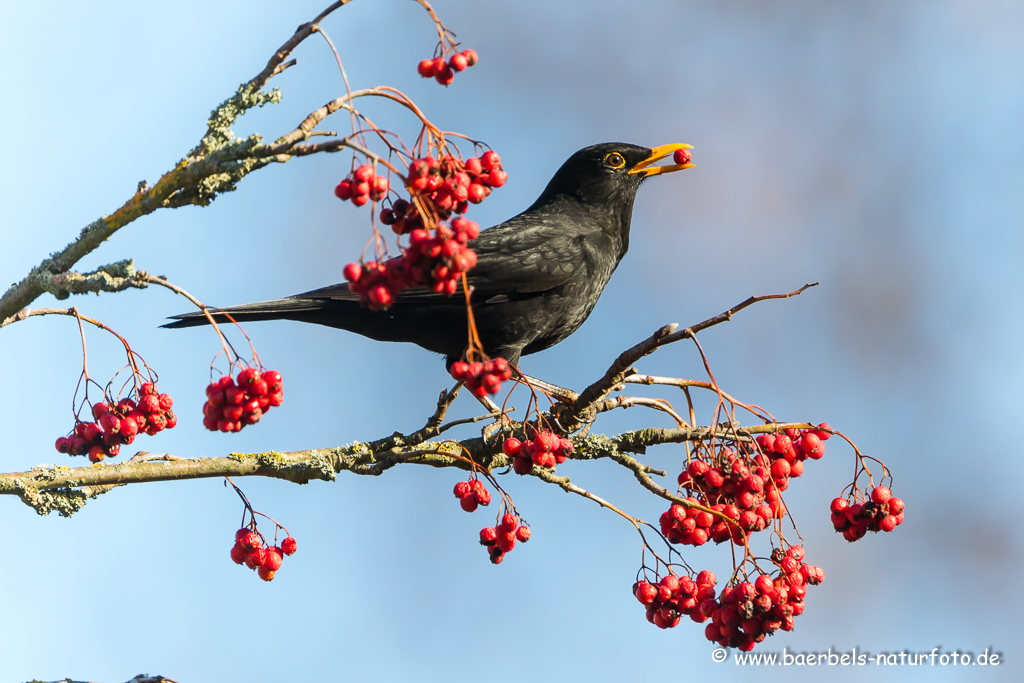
608 175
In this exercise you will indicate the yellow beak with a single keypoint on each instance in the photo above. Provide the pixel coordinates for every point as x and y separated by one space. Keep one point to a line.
657 154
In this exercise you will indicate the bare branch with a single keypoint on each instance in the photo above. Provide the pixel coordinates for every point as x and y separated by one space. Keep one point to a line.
582 410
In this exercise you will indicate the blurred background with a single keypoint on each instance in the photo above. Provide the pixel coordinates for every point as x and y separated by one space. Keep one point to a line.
873 147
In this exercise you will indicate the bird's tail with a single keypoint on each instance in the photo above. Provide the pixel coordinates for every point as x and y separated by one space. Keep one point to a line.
277 309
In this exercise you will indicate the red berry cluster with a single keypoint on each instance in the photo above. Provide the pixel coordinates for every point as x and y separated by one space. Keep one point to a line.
230 406
674 597
502 538
794 446
452 185
362 185
444 72
747 613
692 526
745 490
251 550
471 494
436 262
882 512
545 449
682 156
482 378
119 423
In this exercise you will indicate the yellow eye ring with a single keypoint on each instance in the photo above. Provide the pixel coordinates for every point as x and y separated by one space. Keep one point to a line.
615 160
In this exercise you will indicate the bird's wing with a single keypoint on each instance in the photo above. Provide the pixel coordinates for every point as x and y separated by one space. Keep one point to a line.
513 261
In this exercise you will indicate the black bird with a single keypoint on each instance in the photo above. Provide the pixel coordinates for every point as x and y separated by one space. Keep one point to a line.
537 276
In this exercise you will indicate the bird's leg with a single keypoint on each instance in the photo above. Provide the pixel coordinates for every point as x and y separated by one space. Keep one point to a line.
490 405
561 394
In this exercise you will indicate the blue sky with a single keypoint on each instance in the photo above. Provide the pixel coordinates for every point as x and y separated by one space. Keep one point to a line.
873 147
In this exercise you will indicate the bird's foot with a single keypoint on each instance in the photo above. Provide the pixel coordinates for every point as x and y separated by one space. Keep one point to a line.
560 394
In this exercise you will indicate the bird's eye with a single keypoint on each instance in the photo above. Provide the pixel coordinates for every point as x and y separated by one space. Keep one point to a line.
615 160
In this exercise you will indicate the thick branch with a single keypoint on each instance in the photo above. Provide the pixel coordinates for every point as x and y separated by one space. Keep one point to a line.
54 488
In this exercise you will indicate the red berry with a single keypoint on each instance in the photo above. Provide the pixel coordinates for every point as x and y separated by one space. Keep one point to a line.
234 395
246 377
343 191
506 541
111 423
508 522
471 57
670 582
266 574
497 178
545 441
150 403
289 546
681 156
812 445
274 381
364 173
380 296
881 494
232 412
130 427
488 536
255 557
645 592
273 558
838 505
247 539
458 62
426 68
511 446
445 76
822 434
706 578
352 272
523 534
490 160
238 554
482 495
521 465
99 410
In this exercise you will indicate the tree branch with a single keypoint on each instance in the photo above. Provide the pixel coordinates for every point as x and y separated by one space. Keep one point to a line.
55 488
213 167
582 410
